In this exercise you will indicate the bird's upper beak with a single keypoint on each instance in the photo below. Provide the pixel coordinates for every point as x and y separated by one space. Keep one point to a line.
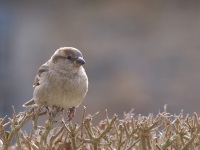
79 61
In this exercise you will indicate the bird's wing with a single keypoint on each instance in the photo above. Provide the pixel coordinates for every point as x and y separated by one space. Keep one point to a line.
42 69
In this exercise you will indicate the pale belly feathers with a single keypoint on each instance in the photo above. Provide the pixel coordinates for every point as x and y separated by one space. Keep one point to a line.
62 92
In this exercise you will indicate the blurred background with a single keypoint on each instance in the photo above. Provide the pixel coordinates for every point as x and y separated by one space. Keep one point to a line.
139 54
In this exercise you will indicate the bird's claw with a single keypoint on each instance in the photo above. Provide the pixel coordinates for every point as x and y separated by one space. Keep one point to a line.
52 113
71 113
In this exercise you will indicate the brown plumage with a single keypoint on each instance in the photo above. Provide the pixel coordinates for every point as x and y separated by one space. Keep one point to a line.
61 81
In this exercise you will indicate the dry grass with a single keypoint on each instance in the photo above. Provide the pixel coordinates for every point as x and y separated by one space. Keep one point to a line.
133 132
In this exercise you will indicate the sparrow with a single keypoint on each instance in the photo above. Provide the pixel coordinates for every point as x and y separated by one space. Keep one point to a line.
61 82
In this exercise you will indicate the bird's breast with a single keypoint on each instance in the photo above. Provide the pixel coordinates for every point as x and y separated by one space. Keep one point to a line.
62 90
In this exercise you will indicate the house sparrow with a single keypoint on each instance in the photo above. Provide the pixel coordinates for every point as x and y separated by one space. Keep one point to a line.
61 82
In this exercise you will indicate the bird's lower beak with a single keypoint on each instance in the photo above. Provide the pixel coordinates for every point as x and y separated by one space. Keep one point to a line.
79 61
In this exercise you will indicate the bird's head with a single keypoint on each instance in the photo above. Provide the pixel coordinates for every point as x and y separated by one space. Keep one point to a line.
68 58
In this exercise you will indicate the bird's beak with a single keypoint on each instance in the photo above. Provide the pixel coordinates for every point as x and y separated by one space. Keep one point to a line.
79 62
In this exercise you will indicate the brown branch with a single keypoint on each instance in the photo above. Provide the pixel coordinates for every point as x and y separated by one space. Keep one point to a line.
55 136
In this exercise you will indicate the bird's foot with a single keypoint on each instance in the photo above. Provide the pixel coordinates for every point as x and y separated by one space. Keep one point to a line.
52 113
71 113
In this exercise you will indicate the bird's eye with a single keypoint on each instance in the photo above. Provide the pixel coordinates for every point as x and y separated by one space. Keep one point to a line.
69 57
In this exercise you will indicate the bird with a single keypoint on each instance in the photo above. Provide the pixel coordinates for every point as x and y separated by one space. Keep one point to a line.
61 82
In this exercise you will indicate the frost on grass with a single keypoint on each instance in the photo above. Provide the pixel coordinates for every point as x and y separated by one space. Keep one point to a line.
132 132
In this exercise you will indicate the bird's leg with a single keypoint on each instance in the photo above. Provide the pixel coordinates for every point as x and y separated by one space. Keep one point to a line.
52 113
55 108
47 110
59 109
71 113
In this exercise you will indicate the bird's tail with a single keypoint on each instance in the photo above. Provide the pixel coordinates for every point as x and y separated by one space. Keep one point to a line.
29 103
